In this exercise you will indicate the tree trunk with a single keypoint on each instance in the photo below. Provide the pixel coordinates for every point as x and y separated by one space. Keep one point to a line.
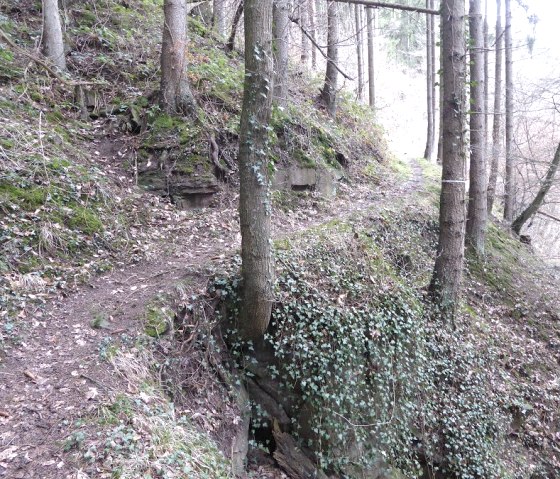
219 16
486 74
175 94
539 198
446 280
305 43
429 87
497 123
254 199
510 179
328 93
53 44
281 30
440 81
312 32
477 212
371 68
230 45
432 19
359 44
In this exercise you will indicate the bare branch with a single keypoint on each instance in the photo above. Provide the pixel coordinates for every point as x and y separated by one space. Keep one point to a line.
395 6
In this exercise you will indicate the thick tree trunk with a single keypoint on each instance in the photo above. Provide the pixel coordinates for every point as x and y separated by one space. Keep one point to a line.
230 45
254 199
359 45
429 86
497 120
446 280
175 94
281 30
312 32
53 44
371 67
440 81
539 198
477 212
509 195
219 16
328 93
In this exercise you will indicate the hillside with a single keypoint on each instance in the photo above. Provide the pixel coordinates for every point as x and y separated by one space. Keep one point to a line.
120 285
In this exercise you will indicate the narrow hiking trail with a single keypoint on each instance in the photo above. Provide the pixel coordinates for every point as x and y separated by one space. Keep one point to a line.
57 373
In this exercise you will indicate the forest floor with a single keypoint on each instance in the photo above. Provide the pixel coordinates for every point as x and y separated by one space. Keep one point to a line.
57 373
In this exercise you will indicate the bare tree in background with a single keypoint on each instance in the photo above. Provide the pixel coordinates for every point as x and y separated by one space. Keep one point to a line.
371 67
430 82
497 118
304 23
230 45
219 16
329 91
359 47
477 205
254 199
538 201
281 30
509 198
312 32
53 44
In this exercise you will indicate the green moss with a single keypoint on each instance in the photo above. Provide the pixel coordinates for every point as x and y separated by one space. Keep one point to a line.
28 198
157 320
303 159
6 143
86 220
59 164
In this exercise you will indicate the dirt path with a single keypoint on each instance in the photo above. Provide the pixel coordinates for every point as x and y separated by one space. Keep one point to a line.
57 374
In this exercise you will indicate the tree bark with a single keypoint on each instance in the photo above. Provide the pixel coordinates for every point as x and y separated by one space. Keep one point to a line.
254 199
509 179
305 43
230 45
312 32
440 81
446 280
429 86
328 93
359 45
371 59
219 17
280 33
53 44
497 119
175 94
486 71
432 20
539 198
477 212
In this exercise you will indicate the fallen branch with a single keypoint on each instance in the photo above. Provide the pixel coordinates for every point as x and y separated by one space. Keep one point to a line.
312 40
44 64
